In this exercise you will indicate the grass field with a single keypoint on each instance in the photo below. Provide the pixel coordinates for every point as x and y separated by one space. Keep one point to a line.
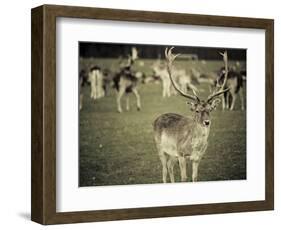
118 149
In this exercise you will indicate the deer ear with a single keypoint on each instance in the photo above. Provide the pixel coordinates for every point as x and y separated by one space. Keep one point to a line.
215 103
192 105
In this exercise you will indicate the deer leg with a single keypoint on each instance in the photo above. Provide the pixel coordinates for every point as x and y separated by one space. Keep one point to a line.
138 98
118 98
223 101
172 90
163 159
210 89
182 163
227 100
195 165
127 102
92 91
163 89
234 96
101 90
242 98
95 89
168 88
171 164
81 101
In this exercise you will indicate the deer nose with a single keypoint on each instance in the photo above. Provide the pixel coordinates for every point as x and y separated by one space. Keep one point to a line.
206 122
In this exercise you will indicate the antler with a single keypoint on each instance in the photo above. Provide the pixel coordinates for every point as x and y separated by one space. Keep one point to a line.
170 58
221 90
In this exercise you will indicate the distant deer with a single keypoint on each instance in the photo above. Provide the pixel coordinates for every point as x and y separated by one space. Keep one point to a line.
126 81
160 70
180 76
180 138
96 79
235 85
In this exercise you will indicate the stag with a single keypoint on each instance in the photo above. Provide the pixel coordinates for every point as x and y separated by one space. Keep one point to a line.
180 138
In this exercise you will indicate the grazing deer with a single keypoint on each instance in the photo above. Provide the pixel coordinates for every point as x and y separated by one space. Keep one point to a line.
179 138
235 85
180 76
126 81
203 77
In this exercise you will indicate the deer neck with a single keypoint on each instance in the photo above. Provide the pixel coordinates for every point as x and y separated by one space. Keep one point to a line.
195 141
201 131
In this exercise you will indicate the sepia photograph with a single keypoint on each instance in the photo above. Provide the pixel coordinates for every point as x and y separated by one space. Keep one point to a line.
153 114
174 108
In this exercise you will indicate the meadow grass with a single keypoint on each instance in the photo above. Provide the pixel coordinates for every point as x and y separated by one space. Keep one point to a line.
118 149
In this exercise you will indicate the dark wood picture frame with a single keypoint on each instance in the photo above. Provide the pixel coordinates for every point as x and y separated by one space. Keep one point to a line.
43 197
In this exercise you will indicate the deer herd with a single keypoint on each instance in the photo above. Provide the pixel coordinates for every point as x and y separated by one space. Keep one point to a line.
178 138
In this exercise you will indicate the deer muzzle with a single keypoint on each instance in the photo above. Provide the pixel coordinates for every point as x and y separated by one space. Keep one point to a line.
206 122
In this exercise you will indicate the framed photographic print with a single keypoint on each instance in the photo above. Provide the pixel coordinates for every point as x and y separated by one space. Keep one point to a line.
140 114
